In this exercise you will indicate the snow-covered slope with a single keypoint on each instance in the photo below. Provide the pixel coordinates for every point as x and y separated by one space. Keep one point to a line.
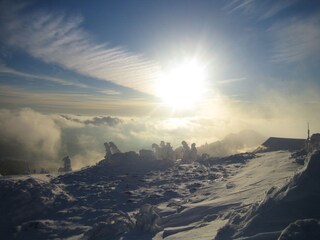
24 199
147 200
234 193
295 205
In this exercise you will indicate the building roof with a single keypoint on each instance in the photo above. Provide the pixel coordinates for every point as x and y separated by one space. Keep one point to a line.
291 144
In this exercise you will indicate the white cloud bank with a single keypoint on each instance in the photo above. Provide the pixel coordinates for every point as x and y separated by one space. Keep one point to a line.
27 134
38 137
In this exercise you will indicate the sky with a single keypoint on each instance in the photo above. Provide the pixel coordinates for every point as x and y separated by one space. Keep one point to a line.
83 71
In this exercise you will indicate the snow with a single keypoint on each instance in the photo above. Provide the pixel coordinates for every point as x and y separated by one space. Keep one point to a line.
302 230
249 186
239 197
51 229
202 231
297 199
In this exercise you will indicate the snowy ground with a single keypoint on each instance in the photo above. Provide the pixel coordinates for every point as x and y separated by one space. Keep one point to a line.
236 191
105 201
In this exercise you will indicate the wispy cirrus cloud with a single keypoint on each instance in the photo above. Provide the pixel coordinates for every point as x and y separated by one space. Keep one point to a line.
236 5
57 38
277 7
231 80
295 39
69 102
110 92
261 9
11 71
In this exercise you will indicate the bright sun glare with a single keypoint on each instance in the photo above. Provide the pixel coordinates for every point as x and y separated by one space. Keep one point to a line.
183 86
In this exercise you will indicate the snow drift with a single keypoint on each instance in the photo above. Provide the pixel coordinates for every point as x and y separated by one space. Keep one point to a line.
128 197
22 200
291 207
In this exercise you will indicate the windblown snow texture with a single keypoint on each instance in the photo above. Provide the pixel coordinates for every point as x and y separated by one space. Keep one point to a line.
294 207
246 196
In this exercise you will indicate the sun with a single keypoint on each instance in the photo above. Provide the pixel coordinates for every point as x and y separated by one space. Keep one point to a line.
182 86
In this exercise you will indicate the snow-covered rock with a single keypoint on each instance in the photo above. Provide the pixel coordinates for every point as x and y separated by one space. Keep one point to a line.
148 219
48 229
117 224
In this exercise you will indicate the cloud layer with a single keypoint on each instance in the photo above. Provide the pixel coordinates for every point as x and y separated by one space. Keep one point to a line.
27 134
56 38
111 121
6 70
294 36
296 39
262 9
